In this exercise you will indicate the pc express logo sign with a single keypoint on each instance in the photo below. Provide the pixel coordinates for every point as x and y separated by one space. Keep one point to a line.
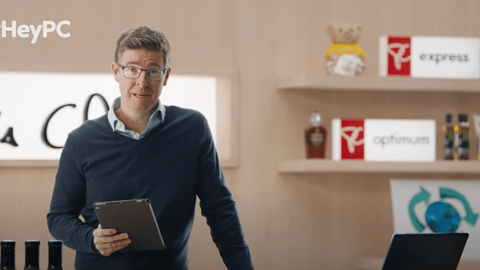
34 32
399 55
430 57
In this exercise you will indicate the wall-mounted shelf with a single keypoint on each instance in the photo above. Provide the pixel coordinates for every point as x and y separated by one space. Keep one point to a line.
356 166
29 163
366 83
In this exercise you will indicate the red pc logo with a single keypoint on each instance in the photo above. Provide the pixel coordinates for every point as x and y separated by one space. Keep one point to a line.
352 133
399 51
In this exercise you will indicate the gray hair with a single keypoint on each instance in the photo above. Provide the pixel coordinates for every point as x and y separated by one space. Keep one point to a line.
143 37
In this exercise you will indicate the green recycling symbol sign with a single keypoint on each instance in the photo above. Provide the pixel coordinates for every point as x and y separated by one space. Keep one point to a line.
441 217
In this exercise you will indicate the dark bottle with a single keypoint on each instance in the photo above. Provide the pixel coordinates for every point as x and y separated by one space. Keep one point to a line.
448 138
8 255
55 255
456 138
464 142
316 137
32 251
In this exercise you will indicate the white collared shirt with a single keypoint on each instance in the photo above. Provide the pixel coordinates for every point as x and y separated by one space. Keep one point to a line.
118 126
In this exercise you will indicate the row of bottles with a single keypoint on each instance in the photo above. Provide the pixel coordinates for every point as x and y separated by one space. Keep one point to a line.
456 138
32 252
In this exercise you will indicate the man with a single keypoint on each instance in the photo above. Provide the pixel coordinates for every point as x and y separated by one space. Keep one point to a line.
143 149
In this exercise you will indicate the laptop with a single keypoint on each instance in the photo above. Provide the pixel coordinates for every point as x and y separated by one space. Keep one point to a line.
425 251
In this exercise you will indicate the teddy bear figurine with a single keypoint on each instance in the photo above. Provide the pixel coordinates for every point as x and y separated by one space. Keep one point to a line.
344 57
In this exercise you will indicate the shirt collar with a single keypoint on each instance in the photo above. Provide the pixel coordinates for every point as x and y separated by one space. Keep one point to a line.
113 119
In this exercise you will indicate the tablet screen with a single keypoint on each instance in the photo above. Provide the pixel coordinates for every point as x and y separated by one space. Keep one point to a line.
134 217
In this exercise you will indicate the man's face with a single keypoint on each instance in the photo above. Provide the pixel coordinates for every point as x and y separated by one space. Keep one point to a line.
140 95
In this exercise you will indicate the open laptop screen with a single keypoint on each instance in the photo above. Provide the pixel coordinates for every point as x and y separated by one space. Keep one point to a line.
428 251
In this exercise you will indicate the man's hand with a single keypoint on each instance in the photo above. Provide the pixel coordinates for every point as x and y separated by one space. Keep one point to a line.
107 242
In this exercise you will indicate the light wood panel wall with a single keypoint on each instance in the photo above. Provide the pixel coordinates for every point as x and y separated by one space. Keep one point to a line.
308 221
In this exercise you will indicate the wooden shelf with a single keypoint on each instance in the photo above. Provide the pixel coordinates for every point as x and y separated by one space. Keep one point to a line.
355 166
365 83
377 264
28 163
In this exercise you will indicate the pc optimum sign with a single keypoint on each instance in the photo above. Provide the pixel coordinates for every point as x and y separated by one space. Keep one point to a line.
383 139
12 30
430 57
438 206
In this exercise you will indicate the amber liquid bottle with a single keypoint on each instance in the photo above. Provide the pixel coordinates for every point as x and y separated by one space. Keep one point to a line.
55 255
8 255
316 137
447 129
32 251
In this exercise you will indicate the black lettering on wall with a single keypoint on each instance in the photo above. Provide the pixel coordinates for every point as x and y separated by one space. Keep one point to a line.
8 138
87 105
45 125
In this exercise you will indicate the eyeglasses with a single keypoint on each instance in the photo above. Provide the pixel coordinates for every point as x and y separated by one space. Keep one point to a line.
131 72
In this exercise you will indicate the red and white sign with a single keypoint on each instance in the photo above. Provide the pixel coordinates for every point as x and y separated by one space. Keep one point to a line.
429 57
383 140
399 55
351 140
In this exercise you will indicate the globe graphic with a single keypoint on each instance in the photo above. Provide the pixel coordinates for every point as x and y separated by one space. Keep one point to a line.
441 217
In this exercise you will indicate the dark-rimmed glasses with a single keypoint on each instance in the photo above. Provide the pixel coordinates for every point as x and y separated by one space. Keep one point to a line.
131 72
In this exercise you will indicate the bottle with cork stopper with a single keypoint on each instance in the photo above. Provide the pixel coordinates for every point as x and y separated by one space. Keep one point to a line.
461 138
448 150
315 137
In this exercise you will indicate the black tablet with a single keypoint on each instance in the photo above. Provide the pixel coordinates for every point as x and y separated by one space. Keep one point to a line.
134 217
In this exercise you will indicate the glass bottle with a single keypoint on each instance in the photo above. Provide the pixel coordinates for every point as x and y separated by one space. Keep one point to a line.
316 137
8 255
463 134
448 138
32 251
456 138
55 255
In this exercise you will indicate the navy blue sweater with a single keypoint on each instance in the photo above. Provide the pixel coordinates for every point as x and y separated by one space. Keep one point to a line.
170 166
